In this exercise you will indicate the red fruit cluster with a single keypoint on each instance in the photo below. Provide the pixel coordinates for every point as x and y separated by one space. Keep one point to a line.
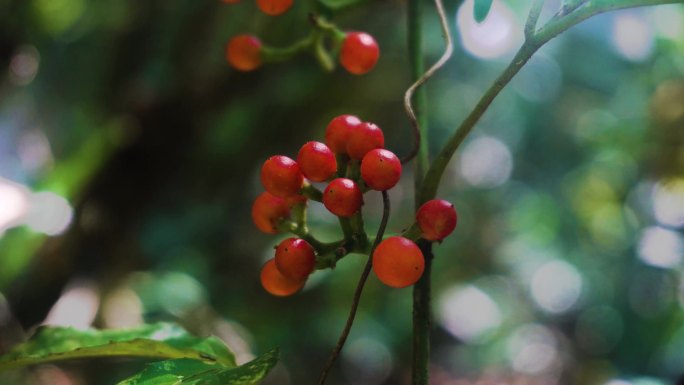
398 261
364 141
359 52
351 161
364 165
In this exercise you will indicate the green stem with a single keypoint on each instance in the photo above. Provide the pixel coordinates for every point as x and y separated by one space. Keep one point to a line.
342 163
415 52
312 192
561 23
421 290
345 224
278 54
303 232
436 170
331 29
422 320
359 290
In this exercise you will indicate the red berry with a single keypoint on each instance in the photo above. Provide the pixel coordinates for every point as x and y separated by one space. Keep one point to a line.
243 52
295 258
436 219
281 177
365 137
267 210
337 133
398 262
316 161
359 53
276 283
342 197
380 169
274 7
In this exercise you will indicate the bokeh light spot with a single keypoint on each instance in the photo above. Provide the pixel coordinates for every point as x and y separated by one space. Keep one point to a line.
668 202
468 313
556 286
24 65
532 349
367 361
48 213
498 35
632 36
486 162
76 307
660 247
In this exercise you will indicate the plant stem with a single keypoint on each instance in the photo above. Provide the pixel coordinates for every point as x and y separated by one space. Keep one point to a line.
415 52
532 18
533 42
422 320
359 291
418 142
312 192
277 54
434 174
421 290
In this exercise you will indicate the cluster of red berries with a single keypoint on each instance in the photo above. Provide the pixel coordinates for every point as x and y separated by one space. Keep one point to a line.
359 52
352 160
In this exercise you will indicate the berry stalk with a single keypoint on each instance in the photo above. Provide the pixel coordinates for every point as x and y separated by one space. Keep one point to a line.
359 290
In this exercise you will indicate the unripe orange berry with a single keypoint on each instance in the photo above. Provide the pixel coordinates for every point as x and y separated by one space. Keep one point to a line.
295 258
276 283
274 7
398 262
436 219
243 52
267 210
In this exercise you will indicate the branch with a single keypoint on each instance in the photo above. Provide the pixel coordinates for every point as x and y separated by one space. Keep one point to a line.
531 45
448 50
589 9
422 320
357 293
532 18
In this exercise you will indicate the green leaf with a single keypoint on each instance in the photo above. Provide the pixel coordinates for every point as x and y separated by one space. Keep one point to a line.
193 372
481 9
162 340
